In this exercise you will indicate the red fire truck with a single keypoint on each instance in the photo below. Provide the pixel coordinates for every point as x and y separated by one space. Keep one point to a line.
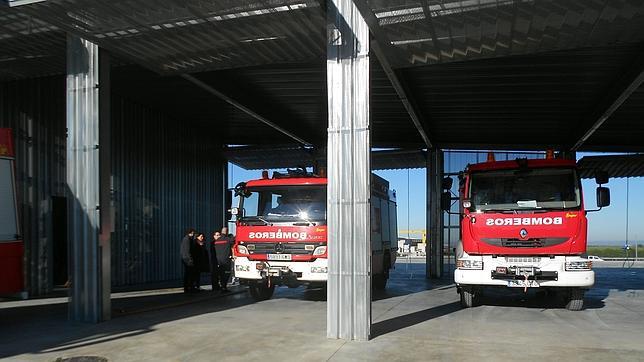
281 236
523 224
11 246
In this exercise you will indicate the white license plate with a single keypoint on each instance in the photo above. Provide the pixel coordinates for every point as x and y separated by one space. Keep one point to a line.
523 284
523 260
279 256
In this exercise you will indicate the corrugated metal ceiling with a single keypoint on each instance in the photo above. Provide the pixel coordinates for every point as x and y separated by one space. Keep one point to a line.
430 31
615 165
524 102
506 74
172 36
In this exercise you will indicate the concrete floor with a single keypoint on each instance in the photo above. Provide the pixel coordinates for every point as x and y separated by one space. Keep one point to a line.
413 320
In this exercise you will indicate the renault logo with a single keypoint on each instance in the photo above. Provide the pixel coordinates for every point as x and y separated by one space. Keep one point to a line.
523 233
279 248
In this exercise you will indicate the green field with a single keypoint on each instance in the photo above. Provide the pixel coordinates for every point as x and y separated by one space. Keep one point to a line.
614 251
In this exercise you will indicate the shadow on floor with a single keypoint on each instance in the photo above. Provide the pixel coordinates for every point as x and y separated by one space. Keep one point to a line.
539 299
394 324
44 328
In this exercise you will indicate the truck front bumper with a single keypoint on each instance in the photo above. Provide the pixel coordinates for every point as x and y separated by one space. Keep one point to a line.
534 272
305 272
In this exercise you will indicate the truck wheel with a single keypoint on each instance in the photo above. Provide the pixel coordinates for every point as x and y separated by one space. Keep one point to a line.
261 292
575 299
380 280
469 297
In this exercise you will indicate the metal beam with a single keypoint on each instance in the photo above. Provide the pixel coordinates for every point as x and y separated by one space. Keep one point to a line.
382 50
403 93
244 109
628 83
432 30
14 3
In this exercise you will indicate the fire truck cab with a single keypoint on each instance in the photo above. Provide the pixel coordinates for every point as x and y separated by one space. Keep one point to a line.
523 225
281 236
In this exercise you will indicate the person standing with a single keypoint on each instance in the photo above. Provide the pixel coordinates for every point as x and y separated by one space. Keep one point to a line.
200 259
214 265
223 251
224 232
187 261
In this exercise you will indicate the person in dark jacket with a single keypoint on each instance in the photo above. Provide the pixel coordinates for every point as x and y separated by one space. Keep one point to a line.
187 261
200 258
223 252
214 266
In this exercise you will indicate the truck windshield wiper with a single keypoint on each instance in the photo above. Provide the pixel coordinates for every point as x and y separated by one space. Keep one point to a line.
258 218
497 209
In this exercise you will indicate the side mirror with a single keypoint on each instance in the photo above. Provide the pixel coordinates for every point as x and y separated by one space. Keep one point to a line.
446 184
240 189
601 177
603 196
446 201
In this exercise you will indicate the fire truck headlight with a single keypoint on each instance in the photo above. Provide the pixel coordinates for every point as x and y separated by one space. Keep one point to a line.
320 250
242 249
469 264
579 265
242 268
319 269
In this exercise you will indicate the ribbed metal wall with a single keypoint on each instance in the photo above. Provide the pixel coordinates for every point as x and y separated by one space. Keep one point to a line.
167 177
35 110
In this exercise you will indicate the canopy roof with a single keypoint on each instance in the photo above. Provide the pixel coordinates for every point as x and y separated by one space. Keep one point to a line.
477 74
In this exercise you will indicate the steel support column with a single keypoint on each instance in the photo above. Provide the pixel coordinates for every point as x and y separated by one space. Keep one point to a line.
434 222
349 284
226 197
83 182
106 182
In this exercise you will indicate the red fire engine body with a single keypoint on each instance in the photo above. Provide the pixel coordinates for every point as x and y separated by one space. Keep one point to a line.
281 236
11 245
524 225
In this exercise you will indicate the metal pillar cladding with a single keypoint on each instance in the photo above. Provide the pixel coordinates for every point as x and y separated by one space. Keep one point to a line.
434 252
86 293
349 284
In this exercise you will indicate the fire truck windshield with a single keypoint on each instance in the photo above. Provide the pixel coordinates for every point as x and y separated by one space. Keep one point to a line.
286 203
544 188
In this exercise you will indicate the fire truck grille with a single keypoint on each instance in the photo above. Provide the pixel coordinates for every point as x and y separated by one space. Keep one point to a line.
283 248
527 243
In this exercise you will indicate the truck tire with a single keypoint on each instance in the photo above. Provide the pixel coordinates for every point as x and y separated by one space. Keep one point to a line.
575 299
261 292
469 297
380 280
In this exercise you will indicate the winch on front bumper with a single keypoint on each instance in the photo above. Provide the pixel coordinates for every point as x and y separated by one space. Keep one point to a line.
523 273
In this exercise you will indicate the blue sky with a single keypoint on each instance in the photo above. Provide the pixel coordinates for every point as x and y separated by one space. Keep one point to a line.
607 226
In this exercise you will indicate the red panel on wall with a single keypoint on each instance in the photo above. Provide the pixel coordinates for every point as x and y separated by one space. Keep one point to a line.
11 267
6 143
